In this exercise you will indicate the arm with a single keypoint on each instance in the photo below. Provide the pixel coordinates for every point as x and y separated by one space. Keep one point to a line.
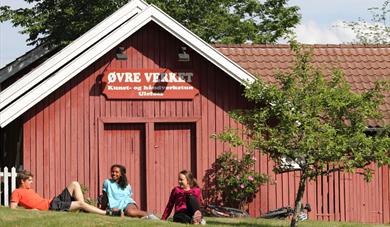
15 198
170 204
104 201
197 193
130 190
104 197
14 205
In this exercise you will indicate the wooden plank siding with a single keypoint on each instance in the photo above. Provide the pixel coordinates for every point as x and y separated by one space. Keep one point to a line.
124 144
76 134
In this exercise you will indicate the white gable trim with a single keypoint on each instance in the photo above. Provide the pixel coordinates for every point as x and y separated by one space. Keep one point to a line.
92 54
71 51
203 48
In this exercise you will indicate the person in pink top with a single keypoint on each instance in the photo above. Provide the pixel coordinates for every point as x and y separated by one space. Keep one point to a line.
186 198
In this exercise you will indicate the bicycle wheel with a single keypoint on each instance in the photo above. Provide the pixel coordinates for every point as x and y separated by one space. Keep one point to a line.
236 213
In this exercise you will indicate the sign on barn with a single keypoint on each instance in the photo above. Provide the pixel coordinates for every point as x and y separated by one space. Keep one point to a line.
149 84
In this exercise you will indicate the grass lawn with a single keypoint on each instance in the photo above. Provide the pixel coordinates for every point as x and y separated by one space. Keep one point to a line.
22 217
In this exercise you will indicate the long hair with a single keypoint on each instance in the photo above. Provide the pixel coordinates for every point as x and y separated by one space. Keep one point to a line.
190 178
22 176
122 179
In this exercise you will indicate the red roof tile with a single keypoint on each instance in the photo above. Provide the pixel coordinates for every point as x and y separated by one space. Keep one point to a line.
361 64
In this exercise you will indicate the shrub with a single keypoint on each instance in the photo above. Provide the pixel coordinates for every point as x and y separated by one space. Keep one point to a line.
234 180
84 190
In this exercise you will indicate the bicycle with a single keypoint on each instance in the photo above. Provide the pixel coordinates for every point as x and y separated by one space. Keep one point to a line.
227 212
284 212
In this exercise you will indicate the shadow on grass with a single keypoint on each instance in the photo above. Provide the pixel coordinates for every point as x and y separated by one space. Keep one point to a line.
243 224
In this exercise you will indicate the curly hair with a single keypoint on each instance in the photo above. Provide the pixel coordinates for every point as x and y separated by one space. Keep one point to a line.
122 179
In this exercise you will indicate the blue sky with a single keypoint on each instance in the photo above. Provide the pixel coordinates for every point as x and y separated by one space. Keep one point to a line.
319 18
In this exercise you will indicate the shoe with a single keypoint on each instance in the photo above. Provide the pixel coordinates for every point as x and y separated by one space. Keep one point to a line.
114 213
302 216
152 217
197 218
203 222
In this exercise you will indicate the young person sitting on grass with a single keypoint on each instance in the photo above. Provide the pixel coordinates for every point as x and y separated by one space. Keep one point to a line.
70 199
117 196
186 198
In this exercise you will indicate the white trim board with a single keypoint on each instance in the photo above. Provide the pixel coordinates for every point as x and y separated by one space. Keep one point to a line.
75 48
89 56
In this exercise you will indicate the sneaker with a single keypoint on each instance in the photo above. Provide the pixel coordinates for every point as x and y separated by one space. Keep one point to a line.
302 216
152 217
114 213
197 218
203 222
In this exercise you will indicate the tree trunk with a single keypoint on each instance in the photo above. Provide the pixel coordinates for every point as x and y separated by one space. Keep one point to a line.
298 200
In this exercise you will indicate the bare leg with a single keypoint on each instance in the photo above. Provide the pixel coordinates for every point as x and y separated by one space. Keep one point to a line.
74 189
81 205
133 211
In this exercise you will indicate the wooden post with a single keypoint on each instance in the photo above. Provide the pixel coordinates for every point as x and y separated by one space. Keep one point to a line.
4 192
5 175
13 179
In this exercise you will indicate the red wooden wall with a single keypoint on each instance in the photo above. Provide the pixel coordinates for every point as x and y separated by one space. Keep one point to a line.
76 134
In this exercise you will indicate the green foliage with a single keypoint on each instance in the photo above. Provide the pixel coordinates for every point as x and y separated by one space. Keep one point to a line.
233 21
317 122
85 190
58 22
376 32
235 180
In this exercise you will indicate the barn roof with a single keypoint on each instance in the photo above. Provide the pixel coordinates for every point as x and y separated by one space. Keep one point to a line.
23 62
362 64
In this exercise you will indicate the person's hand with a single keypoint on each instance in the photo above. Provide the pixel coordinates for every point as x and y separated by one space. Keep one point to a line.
13 205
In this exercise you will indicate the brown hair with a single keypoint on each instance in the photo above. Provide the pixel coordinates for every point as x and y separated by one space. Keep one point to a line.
22 176
190 178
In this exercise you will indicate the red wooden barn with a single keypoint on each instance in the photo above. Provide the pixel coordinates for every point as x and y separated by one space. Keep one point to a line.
141 90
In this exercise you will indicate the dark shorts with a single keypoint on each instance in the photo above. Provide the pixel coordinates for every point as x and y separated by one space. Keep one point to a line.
61 202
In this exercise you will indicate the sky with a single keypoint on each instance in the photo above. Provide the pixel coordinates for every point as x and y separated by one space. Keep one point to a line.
318 25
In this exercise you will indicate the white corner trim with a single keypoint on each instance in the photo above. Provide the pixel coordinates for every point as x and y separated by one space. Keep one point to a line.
71 51
89 56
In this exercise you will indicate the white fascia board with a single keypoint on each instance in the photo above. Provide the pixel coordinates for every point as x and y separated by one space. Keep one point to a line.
203 48
91 55
74 67
75 48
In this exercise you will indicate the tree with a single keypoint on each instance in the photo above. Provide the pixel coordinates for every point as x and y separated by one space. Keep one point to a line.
59 22
376 32
316 123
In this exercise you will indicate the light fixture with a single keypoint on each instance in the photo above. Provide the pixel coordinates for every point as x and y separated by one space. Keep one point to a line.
120 55
183 55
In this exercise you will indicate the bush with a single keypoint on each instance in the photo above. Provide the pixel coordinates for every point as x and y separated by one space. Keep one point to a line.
234 180
85 190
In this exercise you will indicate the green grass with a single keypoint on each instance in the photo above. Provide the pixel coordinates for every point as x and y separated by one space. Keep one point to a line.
22 217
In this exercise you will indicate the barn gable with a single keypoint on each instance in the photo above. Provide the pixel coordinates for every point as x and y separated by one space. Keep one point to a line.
32 88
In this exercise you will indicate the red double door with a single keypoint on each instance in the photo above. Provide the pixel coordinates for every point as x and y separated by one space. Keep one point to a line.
152 158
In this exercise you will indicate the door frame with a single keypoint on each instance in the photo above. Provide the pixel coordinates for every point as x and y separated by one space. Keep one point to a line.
149 123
